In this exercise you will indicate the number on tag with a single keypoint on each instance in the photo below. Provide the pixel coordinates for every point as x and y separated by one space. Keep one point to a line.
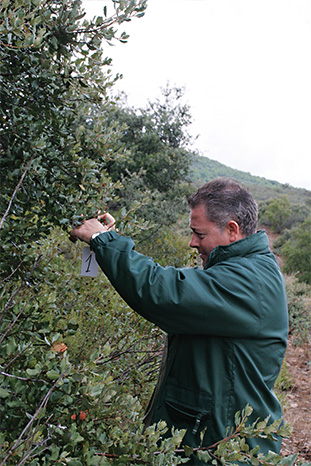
89 266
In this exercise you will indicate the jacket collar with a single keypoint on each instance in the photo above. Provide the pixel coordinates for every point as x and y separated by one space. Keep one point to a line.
257 243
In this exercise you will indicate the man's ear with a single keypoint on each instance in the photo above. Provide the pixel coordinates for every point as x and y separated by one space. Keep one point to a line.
233 230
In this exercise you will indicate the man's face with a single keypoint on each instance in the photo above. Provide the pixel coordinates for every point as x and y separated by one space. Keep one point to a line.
205 234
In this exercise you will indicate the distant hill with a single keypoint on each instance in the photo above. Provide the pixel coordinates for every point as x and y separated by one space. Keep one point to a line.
205 169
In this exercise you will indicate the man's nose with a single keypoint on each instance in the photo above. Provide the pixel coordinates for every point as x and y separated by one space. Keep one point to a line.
193 242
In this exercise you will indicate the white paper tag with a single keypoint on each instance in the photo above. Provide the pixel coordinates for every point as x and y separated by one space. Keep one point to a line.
89 266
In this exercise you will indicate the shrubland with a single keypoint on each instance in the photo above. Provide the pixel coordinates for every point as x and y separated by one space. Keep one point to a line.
292 224
77 366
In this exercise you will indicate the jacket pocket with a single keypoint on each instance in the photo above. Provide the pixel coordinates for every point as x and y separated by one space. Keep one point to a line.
188 409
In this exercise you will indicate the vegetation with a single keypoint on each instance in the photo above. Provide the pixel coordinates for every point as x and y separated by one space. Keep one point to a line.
277 213
299 310
77 366
53 154
205 169
297 251
156 163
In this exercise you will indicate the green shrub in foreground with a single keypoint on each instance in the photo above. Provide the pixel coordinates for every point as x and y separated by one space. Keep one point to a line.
299 310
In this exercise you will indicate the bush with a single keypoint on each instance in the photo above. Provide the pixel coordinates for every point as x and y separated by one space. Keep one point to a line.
299 310
167 247
284 382
276 213
297 252
76 366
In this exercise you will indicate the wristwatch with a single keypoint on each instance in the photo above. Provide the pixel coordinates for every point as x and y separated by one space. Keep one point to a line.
96 234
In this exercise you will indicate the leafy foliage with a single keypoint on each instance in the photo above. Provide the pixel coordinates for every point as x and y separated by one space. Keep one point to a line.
156 164
167 247
297 251
284 381
298 296
276 213
156 139
53 153
63 397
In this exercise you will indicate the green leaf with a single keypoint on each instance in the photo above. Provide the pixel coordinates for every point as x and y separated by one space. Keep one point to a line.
99 460
33 372
204 456
4 393
188 450
53 374
74 462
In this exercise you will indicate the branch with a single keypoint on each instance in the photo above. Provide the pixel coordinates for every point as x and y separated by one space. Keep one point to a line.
261 460
11 274
15 191
6 365
26 379
38 414
10 326
30 453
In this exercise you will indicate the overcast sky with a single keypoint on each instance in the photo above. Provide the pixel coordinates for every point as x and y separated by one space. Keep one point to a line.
246 69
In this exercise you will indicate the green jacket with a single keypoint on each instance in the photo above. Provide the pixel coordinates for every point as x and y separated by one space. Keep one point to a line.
227 330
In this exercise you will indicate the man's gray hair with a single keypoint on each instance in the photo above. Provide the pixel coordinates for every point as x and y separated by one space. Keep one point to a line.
226 199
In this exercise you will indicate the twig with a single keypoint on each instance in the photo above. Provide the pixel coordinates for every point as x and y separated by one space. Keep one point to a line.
33 450
38 414
26 379
11 274
6 365
15 191
23 285
17 317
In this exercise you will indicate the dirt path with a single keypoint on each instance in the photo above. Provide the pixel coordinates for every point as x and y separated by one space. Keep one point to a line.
298 402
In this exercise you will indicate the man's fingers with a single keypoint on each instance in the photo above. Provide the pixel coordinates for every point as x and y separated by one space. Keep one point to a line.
84 232
108 220
72 237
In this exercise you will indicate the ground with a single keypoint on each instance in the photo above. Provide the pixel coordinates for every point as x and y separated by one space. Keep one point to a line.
297 410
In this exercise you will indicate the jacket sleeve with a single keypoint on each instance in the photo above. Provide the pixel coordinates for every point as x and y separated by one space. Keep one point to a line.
224 300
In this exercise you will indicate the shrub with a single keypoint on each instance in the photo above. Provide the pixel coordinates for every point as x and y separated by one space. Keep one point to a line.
276 212
299 311
297 252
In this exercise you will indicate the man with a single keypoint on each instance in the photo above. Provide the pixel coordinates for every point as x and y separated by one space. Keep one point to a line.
227 324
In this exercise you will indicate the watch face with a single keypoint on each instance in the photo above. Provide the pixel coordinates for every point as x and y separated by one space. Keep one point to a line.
96 234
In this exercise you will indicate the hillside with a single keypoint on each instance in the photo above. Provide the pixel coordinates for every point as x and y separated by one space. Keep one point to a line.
205 169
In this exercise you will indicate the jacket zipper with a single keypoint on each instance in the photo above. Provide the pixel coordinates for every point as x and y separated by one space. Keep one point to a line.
198 422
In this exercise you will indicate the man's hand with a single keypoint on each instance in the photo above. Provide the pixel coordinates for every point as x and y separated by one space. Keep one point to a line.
85 231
